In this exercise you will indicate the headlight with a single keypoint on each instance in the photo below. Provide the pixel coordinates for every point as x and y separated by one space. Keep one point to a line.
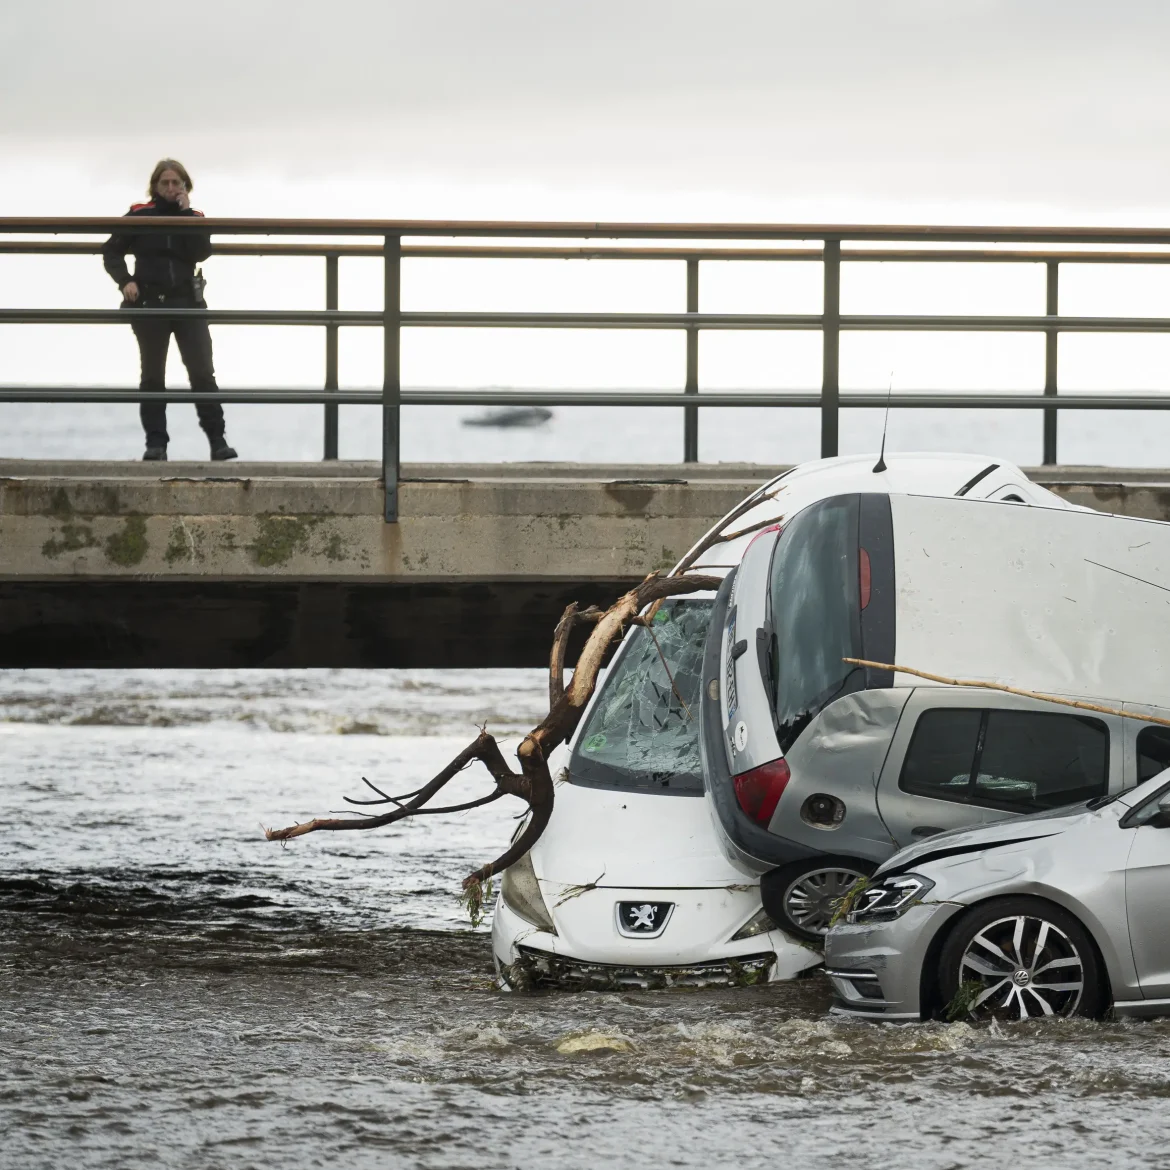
889 898
521 892
759 923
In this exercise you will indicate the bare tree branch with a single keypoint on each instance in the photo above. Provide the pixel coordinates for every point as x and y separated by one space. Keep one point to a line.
533 784
716 535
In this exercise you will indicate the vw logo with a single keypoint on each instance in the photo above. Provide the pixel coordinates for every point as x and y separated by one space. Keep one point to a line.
643 919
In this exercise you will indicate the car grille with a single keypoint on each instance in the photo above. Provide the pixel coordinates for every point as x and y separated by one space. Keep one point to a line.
536 969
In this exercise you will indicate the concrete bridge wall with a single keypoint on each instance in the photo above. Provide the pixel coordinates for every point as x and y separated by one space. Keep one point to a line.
268 564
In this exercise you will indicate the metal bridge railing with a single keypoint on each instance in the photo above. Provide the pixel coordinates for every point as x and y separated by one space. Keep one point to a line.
1014 245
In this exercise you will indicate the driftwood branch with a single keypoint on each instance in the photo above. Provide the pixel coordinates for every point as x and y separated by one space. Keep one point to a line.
533 783
994 686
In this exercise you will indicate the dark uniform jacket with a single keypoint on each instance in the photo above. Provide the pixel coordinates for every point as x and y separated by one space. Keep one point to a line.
165 262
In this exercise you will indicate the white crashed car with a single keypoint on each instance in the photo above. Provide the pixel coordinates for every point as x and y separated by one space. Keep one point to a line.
630 885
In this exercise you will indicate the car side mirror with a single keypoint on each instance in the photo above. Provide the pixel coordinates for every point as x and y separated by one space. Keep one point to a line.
1161 817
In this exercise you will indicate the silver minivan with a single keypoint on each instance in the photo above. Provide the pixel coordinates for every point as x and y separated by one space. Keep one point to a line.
817 769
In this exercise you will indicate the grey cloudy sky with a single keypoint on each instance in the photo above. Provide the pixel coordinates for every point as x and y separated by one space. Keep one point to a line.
986 107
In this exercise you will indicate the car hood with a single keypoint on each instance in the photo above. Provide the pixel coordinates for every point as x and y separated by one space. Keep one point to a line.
602 837
1029 828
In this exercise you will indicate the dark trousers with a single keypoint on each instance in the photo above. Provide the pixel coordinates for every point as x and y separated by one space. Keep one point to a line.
194 339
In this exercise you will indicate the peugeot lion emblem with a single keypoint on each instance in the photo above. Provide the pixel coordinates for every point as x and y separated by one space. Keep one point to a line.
643 919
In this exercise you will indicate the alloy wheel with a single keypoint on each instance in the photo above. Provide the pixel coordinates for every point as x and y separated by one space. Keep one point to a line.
1019 967
813 898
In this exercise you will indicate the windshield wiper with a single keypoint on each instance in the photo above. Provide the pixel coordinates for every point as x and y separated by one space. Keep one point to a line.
1101 801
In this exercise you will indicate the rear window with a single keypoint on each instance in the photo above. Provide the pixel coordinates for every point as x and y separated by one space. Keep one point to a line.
643 732
815 614
1017 761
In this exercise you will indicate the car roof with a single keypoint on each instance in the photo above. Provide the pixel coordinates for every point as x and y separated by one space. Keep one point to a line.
910 473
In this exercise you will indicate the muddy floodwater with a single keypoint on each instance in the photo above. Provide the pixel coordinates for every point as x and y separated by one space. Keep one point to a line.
176 992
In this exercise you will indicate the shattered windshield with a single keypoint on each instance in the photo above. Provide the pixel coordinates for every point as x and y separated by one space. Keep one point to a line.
643 731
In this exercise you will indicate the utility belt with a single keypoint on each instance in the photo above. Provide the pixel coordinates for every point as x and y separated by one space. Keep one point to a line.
191 290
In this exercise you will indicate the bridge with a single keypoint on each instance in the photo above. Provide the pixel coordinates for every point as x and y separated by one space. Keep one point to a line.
394 564
293 565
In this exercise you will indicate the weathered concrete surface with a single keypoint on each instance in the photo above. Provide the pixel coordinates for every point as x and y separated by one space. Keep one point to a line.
230 524
254 564
242 528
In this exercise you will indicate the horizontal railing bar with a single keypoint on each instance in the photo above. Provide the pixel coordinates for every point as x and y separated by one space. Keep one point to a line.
725 321
218 316
535 252
981 400
73 225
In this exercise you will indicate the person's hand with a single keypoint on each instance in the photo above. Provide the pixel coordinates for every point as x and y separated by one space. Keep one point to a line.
130 292
183 199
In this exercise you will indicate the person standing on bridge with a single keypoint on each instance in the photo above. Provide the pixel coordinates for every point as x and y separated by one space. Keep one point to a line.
165 277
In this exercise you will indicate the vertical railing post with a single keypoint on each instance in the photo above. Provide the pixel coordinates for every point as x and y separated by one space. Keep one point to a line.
331 358
831 363
691 413
391 372
1051 341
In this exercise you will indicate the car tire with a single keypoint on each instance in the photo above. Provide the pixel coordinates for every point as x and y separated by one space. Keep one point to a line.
1019 958
802 897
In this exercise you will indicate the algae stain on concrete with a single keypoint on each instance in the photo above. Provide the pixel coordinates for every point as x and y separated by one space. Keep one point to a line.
71 538
334 548
278 537
60 507
180 545
128 546
666 560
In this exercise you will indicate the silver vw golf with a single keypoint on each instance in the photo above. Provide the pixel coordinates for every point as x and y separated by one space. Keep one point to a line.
1063 913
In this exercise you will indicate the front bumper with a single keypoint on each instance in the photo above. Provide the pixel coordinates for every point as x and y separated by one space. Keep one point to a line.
876 967
696 948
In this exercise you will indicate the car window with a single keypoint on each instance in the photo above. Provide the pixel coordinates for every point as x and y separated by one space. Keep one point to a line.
1017 761
1038 760
643 731
942 752
814 609
1153 752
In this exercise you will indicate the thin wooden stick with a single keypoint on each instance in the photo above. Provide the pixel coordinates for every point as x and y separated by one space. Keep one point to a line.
993 686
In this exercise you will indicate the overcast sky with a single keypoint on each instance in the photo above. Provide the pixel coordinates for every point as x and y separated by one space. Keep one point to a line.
862 109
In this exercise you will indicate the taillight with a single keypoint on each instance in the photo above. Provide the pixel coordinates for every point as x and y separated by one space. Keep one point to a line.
764 532
759 790
865 575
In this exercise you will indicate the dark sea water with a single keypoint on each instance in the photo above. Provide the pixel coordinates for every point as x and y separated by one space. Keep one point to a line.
177 992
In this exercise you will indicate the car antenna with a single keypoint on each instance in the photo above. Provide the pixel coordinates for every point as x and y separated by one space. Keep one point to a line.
880 465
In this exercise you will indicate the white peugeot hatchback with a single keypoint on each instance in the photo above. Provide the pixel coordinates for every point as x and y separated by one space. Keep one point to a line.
629 884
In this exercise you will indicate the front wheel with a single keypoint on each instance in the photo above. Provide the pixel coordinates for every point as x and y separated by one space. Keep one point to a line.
1018 958
803 896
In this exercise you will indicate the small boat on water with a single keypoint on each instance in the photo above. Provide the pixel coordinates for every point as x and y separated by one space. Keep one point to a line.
510 416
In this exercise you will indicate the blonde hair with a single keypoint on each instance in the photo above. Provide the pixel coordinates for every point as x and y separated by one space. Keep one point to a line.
168 164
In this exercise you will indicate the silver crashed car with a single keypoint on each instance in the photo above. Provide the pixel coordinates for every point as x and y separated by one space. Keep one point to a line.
1064 913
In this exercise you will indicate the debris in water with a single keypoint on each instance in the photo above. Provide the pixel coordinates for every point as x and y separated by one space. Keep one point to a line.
475 896
963 1002
594 1041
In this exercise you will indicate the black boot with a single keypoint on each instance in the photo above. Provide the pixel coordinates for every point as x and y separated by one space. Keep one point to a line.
155 453
220 450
